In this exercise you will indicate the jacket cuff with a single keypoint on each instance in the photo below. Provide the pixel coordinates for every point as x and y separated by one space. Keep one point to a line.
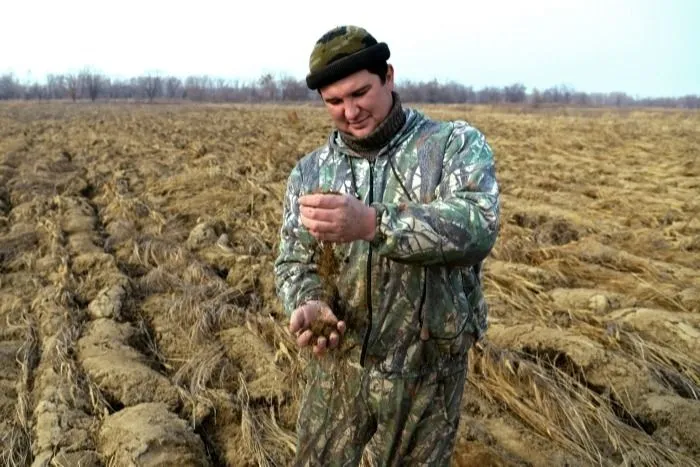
309 297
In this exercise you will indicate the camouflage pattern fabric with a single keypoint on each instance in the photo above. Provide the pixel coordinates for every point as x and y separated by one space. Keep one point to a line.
339 42
435 190
342 51
401 421
426 258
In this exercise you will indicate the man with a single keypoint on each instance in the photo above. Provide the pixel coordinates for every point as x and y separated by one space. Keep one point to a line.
410 208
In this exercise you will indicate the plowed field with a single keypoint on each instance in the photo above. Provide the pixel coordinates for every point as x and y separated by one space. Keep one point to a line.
140 324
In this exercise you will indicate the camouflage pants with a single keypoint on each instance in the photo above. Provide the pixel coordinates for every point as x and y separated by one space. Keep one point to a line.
401 421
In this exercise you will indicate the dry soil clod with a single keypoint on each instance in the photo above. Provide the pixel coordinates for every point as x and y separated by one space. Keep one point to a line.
320 329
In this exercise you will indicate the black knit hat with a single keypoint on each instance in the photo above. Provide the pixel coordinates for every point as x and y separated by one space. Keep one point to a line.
341 52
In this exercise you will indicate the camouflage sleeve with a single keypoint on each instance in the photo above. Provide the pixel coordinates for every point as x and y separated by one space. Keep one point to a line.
461 224
296 279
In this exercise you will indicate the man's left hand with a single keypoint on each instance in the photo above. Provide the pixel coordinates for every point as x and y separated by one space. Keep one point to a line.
337 217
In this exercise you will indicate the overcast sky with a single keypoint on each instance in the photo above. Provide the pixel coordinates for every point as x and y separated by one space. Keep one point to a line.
642 47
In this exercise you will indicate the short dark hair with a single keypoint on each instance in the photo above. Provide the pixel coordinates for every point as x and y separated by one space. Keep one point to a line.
380 69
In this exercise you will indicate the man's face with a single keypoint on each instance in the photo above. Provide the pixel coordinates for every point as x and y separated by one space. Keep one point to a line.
358 103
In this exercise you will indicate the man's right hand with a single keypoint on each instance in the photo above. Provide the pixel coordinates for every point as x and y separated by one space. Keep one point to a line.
302 319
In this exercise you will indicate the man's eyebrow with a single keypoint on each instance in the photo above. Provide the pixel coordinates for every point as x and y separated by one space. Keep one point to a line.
362 89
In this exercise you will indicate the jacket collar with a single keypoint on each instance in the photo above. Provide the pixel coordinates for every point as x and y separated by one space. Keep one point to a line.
413 119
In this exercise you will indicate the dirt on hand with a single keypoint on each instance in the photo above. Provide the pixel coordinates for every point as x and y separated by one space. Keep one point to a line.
321 328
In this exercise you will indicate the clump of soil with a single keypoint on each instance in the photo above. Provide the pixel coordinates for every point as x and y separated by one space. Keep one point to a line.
150 435
321 328
121 372
256 359
547 230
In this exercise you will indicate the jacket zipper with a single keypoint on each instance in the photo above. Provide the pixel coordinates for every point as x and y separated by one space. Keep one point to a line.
368 279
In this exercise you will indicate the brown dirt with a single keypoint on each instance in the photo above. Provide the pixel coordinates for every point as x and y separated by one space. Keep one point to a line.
150 435
328 269
142 327
321 328
120 371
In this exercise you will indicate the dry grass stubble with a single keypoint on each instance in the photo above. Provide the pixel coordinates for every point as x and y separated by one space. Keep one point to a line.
151 231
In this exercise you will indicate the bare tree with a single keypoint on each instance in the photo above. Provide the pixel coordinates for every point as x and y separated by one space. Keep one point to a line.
56 86
10 88
458 93
489 95
515 93
73 84
619 99
222 90
122 89
537 98
92 82
293 89
36 91
268 87
580 98
196 87
690 102
173 87
151 86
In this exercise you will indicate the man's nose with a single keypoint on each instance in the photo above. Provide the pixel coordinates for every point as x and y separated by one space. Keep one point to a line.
351 111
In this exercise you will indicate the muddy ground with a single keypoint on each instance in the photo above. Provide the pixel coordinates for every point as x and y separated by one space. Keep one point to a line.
140 324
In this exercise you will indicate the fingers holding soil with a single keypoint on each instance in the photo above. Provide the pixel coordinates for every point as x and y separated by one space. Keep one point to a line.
322 333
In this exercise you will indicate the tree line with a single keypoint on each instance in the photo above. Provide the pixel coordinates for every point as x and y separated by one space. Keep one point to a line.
91 85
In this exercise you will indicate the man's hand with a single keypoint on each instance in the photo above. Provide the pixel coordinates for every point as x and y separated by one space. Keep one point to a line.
337 218
313 313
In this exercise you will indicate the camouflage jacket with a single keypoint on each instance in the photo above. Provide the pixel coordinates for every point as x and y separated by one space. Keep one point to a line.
435 191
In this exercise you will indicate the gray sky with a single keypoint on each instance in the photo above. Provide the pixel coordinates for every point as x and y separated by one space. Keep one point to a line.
642 47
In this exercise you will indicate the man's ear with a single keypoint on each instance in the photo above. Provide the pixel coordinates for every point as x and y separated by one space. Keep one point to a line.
390 76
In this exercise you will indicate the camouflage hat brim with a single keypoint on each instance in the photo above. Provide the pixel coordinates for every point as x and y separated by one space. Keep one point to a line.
347 65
